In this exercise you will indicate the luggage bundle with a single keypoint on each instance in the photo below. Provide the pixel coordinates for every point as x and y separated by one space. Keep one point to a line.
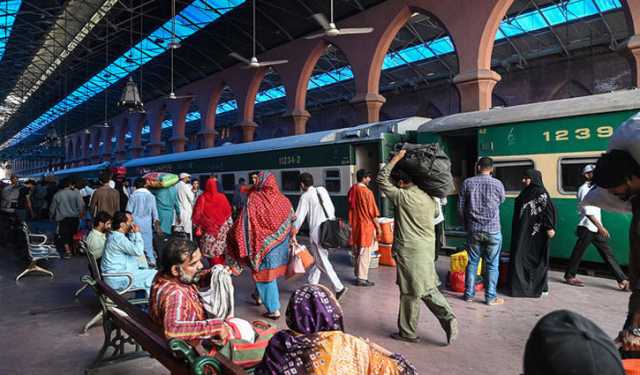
159 180
428 166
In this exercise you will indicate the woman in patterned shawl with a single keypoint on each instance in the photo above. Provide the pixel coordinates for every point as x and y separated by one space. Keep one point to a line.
260 239
534 222
212 215
315 342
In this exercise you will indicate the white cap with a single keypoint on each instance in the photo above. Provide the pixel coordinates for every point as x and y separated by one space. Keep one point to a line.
588 168
183 175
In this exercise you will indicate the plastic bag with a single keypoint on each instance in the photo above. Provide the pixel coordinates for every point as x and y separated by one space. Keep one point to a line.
300 260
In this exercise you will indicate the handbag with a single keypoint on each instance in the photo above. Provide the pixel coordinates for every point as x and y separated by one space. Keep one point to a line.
334 233
244 353
300 259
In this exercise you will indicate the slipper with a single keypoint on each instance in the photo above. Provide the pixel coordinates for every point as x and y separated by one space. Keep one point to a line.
273 316
399 337
624 285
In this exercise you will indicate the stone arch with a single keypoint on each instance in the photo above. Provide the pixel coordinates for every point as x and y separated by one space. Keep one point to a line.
490 44
270 101
331 77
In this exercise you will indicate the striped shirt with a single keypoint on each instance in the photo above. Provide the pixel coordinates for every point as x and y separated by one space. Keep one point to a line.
176 306
479 204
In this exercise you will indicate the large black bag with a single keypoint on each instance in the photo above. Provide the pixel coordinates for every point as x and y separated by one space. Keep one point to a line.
429 167
334 233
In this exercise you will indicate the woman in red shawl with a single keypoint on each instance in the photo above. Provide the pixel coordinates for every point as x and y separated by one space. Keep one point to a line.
212 216
260 238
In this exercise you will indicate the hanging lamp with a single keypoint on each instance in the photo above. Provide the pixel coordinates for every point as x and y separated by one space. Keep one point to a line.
130 98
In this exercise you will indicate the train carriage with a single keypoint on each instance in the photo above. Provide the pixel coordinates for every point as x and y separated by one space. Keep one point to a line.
332 157
558 138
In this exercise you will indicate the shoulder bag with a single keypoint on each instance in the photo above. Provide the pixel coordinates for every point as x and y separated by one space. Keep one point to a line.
334 233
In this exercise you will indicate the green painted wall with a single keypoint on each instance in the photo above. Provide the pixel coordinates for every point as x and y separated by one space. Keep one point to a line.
571 134
562 244
329 155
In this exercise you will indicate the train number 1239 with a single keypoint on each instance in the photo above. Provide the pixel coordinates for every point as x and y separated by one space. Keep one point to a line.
579 134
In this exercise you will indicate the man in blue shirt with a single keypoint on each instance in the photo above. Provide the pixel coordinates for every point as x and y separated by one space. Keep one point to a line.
479 206
124 252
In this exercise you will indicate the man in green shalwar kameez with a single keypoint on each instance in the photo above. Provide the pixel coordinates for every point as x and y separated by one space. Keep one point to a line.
413 249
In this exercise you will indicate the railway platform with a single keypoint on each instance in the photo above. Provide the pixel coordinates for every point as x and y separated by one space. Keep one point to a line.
41 320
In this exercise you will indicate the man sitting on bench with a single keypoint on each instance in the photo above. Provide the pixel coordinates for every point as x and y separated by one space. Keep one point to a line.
124 252
97 238
175 304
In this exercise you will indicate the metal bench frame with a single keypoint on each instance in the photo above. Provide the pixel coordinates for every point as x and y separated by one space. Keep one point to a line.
37 249
96 274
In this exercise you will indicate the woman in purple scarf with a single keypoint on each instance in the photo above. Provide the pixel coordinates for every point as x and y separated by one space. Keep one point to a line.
315 342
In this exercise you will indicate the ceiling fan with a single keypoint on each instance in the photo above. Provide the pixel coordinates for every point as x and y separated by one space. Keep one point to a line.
330 29
173 45
253 62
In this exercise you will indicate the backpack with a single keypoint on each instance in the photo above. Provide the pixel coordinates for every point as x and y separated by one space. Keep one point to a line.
428 166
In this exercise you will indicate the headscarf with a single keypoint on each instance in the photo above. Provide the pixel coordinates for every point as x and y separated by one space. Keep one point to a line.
564 342
535 188
212 209
312 309
537 198
264 222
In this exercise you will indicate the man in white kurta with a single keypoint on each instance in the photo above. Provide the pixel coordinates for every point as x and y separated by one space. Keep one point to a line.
309 206
185 201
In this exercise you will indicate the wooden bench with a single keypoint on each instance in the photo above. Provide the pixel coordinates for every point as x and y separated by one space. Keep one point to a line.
130 333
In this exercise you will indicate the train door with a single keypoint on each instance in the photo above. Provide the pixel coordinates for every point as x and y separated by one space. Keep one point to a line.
368 158
462 149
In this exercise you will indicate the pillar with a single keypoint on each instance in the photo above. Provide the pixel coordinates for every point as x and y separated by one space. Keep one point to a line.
120 130
84 159
367 106
475 88
135 125
299 118
155 115
207 97
95 142
631 50
178 109
107 134
245 84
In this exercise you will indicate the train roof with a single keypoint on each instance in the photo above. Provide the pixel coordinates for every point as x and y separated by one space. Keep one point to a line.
584 105
83 169
359 133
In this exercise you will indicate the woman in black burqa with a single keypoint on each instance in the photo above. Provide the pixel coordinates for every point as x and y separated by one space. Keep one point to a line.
534 222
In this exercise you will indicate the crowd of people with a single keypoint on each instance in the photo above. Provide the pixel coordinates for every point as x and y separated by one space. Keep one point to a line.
169 238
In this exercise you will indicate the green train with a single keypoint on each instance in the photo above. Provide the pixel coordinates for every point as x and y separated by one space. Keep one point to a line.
557 137
332 157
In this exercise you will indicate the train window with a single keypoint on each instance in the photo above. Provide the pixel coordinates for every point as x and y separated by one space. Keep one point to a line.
332 180
228 182
290 180
570 173
511 172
